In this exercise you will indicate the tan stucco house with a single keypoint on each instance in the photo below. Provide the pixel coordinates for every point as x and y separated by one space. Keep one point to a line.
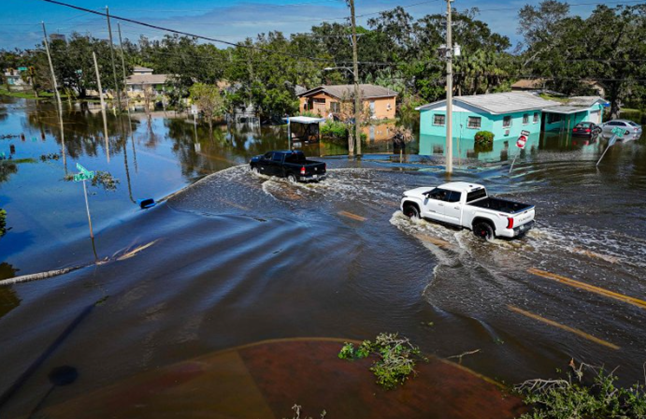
326 100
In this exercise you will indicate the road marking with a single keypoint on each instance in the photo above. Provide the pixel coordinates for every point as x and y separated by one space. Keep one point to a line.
563 327
433 240
607 258
581 285
351 215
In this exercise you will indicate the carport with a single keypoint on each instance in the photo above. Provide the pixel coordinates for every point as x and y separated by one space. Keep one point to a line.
306 129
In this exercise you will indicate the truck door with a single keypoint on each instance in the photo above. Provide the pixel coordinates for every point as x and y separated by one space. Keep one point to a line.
264 164
452 208
276 165
433 205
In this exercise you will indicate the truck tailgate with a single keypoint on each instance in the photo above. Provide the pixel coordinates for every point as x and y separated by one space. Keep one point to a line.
524 217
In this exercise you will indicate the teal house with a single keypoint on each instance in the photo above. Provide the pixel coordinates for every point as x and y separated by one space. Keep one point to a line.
506 115
572 111
503 114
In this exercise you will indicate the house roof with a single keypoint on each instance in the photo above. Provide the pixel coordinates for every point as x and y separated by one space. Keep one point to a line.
528 84
586 100
576 104
139 69
346 91
499 103
147 79
304 119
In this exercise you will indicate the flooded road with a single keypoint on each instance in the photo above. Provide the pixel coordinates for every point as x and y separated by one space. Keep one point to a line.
237 258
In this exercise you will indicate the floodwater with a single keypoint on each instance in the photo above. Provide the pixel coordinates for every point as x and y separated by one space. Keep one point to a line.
235 258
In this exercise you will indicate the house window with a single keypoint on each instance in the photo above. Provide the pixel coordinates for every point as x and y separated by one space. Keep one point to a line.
438 120
335 107
525 119
536 117
506 122
319 100
474 122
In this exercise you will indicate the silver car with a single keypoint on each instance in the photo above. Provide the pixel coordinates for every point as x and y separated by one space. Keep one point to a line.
632 129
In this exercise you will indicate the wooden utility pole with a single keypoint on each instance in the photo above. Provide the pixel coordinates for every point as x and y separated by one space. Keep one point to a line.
449 91
123 67
105 120
98 80
114 66
58 97
51 67
357 97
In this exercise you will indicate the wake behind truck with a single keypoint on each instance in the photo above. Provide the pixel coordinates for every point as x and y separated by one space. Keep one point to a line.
469 206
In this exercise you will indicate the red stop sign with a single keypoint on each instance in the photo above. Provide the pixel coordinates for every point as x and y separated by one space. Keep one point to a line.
522 140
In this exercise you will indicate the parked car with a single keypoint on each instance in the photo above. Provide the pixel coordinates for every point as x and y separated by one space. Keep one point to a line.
587 129
290 164
469 206
632 129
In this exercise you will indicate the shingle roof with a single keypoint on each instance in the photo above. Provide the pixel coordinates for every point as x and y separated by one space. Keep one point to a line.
500 103
147 79
585 100
343 91
139 69
528 84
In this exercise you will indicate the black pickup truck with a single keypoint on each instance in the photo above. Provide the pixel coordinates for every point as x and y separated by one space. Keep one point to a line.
290 164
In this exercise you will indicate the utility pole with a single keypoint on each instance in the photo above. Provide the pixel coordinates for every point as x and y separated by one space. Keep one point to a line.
114 67
58 97
51 67
123 67
449 91
98 80
357 98
105 121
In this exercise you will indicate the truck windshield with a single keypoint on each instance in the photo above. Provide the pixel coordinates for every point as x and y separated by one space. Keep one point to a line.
477 194
295 158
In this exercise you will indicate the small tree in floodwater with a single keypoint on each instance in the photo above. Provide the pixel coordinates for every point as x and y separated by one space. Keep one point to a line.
209 101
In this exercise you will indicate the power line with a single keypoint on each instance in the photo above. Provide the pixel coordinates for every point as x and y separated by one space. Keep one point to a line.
178 32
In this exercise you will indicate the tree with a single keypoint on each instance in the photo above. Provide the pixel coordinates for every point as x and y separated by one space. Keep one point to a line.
208 100
572 51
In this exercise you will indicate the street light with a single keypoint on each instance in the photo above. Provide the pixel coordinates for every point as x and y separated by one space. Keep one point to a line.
357 111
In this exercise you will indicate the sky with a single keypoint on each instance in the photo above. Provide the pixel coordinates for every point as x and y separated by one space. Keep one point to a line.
229 20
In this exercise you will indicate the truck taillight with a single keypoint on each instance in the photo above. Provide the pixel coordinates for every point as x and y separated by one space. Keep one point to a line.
510 222
303 170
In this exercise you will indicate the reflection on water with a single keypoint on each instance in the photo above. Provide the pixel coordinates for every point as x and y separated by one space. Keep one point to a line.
238 258
8 297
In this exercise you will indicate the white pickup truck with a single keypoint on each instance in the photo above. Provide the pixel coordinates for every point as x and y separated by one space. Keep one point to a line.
468 205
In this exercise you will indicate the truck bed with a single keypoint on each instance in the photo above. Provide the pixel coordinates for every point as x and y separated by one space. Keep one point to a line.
502 205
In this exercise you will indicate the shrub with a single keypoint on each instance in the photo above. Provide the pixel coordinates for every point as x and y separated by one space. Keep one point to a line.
570 398
3 223
395 358
484 137
334 129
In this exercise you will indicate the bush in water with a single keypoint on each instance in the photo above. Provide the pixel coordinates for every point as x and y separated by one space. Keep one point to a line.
570 398
483 137
395 358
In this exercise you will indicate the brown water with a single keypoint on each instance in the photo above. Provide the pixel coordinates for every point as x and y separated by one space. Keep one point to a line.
237 258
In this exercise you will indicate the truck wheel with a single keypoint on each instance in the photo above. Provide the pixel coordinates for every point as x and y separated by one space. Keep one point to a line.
255 170
411 211
484 231
292 178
